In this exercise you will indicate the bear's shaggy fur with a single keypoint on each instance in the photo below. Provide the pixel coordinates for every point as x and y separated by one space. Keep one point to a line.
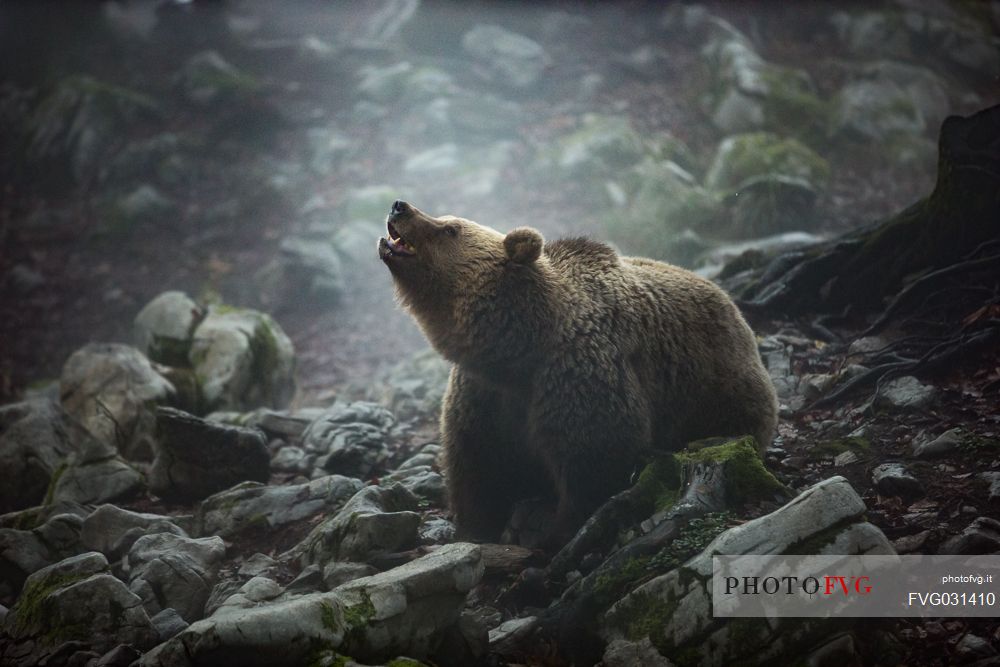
571 363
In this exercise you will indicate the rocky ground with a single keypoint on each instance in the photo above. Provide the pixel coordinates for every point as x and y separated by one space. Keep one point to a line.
225 486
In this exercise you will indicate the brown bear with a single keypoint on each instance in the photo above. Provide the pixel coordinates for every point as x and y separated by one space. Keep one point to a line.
571 363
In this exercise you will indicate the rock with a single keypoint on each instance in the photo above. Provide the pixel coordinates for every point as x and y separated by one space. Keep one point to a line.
909 544
164 327
906 393
168 623
254 505
662 192
506 637
749 93
404 611
601 146
624 653
471 175
23 552
415 386
437 531
993 479
426 457
892 479
112 530
982 536
887 100
120 656
257 565
77 123
307 269
846 458
142 206
77 600
942 445
505 57
336 573
828 516
375 520
168 570
972 647
196 458
744 157
112 390
771 204
350 438
97 475
381 25
207 79
242 359
404 84
292 459
422 482
36 436
309 580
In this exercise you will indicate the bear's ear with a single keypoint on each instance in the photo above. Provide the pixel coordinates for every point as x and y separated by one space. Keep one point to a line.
523 245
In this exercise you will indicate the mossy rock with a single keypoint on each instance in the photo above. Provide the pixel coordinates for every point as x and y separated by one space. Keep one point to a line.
746 479
745 156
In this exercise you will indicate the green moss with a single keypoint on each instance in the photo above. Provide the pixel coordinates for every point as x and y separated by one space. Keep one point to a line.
791 104
54 482
645 617
660 482
31 614
763 153
264 348
608 585
356 619
747 480
405 662
169 351
693 538
328 617
831 448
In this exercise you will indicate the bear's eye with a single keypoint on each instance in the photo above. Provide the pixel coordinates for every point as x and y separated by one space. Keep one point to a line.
451 230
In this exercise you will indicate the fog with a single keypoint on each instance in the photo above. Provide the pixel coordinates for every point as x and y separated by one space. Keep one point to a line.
247 151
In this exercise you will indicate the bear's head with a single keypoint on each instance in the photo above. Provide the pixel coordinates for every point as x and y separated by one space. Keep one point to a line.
441 254
458 277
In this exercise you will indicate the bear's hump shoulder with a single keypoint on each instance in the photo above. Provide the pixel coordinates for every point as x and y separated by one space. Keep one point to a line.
581 249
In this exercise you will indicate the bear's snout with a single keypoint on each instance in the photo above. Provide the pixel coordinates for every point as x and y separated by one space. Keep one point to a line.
399 207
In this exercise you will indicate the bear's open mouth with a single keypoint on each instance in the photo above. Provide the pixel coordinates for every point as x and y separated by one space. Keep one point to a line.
397 244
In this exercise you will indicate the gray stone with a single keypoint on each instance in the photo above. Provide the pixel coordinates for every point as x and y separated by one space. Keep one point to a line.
507 637
846 458
625 653
309 580
505 57
404 611
23 552
982 536
96 474
350 438
889 99
35 439
168 570
944 444
141 206
375 520
403 83
292 459
437 531
196 458
993 479
971 647
427 456
336 573
164 327
601 146
415 386
909 544
829 505
423 482
258 564
122 655
906 393
306 269
112 530
892 479
78 123
254 505
207 78
112 390
242 359
745 156
168 623
76 599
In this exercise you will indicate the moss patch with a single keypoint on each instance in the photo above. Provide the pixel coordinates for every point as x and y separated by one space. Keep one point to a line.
747 480
31 614
660 482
